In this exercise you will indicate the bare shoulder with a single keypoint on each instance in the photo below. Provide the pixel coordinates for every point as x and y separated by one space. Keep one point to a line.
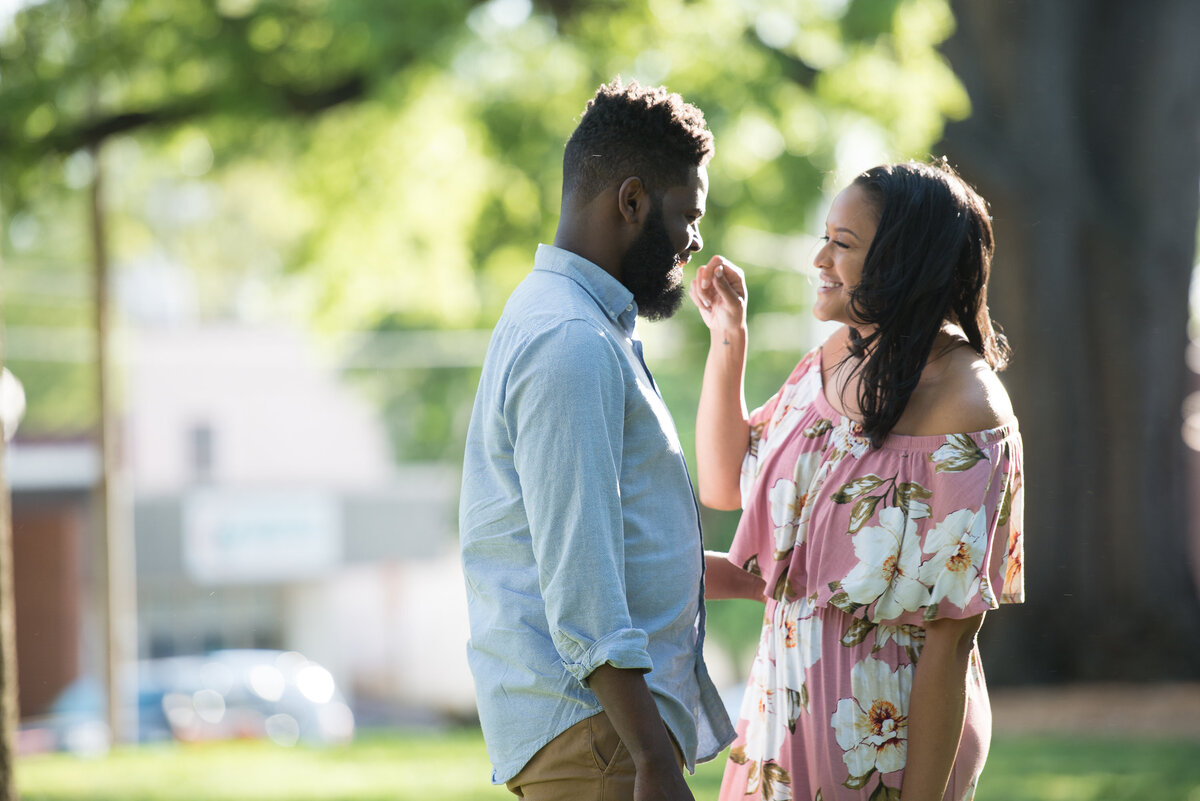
959 393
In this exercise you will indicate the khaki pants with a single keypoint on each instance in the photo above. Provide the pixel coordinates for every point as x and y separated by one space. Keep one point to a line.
587 762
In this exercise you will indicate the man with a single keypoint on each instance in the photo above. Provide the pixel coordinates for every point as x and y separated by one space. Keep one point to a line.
580 533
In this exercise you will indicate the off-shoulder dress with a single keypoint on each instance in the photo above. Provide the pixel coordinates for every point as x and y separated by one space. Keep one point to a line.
860 548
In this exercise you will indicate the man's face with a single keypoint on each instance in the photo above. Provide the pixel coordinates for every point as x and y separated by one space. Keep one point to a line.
652 268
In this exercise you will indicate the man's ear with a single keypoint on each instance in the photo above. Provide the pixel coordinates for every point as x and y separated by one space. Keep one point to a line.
633 202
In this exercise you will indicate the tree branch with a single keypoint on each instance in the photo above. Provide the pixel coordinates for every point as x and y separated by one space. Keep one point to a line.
94 131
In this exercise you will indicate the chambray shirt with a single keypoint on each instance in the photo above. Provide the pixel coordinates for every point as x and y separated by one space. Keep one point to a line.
580 532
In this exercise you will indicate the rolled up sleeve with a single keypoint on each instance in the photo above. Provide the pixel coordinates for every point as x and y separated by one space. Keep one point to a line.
564 407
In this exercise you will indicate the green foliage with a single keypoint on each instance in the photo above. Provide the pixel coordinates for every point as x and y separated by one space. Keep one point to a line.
362 165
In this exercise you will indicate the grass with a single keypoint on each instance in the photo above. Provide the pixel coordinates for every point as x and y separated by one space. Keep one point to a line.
453 767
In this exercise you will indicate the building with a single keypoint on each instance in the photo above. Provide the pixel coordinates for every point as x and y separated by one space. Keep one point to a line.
267 512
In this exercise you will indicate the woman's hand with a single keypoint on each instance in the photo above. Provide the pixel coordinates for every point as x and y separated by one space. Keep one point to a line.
719 292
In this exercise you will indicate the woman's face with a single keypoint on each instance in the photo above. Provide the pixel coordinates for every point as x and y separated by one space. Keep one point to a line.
849 230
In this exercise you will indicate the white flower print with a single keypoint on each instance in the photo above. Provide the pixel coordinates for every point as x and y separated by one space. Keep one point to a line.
872 726
777 693
889 561
785 510
788 504
846 439
957 545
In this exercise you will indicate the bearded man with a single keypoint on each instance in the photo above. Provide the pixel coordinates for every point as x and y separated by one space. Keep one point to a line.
580 532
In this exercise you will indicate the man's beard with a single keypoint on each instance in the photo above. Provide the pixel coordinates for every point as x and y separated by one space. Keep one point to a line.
651 270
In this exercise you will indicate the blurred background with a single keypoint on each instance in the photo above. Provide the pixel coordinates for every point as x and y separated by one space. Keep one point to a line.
251 252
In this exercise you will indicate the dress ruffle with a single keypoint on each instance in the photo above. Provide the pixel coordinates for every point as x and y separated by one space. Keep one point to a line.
920 528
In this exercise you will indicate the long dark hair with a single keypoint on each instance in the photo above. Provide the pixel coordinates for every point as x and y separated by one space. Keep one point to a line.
928 263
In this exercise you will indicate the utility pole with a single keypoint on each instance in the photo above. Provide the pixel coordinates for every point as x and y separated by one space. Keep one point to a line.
115 544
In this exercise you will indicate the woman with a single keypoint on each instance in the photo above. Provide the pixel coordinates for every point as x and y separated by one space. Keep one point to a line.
882 498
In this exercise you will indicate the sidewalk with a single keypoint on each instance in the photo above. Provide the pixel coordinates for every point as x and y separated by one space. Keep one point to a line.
1151 710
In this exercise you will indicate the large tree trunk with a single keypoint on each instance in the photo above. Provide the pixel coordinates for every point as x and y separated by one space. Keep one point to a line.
1085 137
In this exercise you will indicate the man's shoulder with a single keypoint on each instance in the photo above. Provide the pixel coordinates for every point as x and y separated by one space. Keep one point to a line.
549 308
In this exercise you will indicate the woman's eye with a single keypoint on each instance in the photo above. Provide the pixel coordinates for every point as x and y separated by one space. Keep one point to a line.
825 238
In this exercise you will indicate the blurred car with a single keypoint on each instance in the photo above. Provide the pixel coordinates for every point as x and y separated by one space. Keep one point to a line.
230 694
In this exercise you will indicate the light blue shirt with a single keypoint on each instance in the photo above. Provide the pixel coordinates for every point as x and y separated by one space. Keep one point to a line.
580 532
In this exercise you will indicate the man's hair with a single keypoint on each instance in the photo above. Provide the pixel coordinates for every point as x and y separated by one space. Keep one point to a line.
634 131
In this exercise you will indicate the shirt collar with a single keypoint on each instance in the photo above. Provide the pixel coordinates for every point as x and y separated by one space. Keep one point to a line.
609 293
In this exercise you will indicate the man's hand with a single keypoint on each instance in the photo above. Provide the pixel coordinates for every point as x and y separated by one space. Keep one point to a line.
627 702
656 783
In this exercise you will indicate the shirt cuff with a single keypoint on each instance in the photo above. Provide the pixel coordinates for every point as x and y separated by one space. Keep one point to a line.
624 649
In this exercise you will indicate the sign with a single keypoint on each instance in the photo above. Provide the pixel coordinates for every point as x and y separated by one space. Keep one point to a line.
243 536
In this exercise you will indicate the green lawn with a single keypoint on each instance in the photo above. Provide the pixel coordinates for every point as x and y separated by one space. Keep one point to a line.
453 767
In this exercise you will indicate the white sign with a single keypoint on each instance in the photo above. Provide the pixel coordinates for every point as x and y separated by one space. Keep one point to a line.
260 536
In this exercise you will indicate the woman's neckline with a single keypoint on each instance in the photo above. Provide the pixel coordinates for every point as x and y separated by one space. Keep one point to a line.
894 441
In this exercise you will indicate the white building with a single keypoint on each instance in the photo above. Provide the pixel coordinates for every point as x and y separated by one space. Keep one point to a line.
268 512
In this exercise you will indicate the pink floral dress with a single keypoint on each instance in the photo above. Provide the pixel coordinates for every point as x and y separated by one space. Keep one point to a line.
859 549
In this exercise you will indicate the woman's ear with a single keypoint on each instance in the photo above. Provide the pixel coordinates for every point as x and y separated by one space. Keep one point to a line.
632 201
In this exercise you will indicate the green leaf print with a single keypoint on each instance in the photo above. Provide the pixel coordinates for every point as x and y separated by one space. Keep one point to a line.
931 611
818 428
858 782
819 796
751 566
859 486
909 495
858 631
1005 504
885 793
864 509
774 774
958 454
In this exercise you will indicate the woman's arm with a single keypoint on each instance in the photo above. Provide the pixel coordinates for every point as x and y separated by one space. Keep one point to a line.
723 579
937 707
722 422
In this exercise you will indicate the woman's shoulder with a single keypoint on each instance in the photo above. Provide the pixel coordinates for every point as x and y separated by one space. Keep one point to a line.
959 393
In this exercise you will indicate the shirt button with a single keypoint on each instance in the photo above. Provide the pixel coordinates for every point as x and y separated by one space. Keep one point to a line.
629 307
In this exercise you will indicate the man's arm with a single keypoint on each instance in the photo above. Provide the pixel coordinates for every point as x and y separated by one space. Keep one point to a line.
627 701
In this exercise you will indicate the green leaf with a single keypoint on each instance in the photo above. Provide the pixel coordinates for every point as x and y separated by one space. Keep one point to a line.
864 509
858 486
842 601
858 782
908 498
773 774
858 631
885 793
1005 504
818 428
958 454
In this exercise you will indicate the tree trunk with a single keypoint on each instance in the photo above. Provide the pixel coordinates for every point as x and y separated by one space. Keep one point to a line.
1085 138
8 634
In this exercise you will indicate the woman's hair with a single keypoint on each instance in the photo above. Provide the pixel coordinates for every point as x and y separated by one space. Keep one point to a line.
630 130
928 263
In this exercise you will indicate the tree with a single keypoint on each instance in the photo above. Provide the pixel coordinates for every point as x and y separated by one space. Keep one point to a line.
1085 137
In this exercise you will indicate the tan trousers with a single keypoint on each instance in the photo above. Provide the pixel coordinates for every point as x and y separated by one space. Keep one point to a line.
587 762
